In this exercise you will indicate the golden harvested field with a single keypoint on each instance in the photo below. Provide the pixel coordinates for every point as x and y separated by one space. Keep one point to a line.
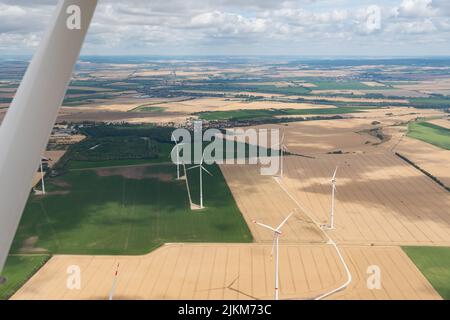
398 114
220 104
430 158
175 110
445 123
319 137
373 84
380 199
235 93
350 135
118 117
400 278
221 271
385 92
294 72
441 86
260 198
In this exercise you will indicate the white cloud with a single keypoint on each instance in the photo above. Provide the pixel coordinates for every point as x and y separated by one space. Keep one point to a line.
236 26
414 27
416 8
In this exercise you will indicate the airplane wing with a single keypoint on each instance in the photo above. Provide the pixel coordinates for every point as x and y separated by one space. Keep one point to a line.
28 123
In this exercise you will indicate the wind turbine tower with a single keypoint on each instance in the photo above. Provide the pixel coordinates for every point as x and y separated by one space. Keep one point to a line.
201 169
276 237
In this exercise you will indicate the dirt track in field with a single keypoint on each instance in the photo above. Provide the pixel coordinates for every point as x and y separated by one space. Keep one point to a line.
220 271
260 198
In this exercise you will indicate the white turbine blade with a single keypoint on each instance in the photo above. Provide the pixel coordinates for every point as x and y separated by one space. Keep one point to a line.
264 225
334 175
207 171
28 123
284 222
195 167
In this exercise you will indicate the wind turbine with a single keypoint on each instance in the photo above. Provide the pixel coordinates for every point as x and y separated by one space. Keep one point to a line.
177 146
28 123
283 149
275 246
201 169
333 195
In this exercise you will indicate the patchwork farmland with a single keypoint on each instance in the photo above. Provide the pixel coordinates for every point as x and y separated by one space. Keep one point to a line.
113 197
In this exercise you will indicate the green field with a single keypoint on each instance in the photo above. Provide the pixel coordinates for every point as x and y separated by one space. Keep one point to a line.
81 165
431 102
18 270
246 114
85 213
434 263
161 155
430 133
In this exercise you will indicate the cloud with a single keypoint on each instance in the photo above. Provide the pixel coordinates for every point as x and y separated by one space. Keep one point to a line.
237 26
414 27
369 20
416 8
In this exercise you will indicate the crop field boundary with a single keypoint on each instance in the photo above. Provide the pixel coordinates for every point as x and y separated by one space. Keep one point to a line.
429 175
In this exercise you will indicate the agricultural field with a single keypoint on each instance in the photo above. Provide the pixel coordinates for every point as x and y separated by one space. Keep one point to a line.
410 212
110 90
434 263
231 272
114 198
263 113
430 133
126 210
18 269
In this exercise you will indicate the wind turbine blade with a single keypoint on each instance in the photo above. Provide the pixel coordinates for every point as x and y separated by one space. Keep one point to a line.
27 126
207 171
264 226
335 172
203 157
284 222
195 167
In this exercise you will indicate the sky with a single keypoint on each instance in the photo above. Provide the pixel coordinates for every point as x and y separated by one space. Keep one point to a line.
243 27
